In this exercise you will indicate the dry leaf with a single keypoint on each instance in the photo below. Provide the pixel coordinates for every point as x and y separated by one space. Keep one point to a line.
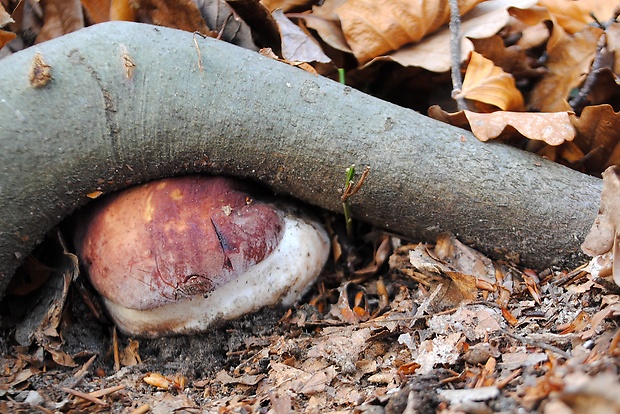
573 16
433 53
328 30
568 65
536 18
6 37
603 235
122 10
297 46
613 44
5 18
375 27
597 136
157 380
513 59
552 128
284 5
487 83
60 17
98 11
228 21
178 14
600 239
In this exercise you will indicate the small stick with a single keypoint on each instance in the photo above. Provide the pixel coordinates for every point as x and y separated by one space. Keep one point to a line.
83 396
106 391
578 102
538 344
455 53
198 48
117 359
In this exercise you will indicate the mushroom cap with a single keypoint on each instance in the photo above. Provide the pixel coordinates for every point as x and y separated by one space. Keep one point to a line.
176 255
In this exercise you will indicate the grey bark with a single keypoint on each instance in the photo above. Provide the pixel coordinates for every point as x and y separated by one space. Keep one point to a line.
98 125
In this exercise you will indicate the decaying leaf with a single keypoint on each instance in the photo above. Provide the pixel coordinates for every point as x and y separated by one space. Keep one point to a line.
487 83
5 18
604 234
375 27
60 17
553 128
433 52
296 45
597 136
568 65
97 11
180 14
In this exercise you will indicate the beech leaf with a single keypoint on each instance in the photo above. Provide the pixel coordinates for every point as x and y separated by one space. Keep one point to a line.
568 65
552 128
376 27
297 46
603 236
487 83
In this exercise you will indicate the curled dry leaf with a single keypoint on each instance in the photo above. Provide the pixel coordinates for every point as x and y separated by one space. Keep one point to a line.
60 17
5 18
179 14
568 65
552 128
487 83
284 5
433 53
597 136
375 27
297 46
603 235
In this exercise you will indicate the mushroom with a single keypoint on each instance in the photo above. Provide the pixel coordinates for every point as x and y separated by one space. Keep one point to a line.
176 255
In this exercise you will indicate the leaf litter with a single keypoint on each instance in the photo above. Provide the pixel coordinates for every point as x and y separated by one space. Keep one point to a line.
391 326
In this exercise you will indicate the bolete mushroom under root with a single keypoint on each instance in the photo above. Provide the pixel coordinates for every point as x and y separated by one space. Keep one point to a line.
176 255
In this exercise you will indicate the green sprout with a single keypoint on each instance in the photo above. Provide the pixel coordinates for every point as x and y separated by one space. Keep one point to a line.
350 188
341 75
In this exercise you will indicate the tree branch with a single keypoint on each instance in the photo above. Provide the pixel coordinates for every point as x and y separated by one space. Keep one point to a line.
102 124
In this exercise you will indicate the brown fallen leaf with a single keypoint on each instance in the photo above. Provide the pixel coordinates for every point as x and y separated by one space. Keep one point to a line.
568 65
487 83
512 59
375 27
60 17
433 52
552 128
5 18
297 46
328 29
97 11
603 235
179 14
597 137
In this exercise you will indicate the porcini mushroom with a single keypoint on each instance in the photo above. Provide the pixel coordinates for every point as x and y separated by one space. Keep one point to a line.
176 255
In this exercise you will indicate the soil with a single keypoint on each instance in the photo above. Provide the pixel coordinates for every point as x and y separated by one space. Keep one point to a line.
372 336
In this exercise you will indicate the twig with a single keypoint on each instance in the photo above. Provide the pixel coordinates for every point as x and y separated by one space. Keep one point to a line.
455 53
538 344
198 48
106 391
349 190
83 396
577 102
117 359
79 374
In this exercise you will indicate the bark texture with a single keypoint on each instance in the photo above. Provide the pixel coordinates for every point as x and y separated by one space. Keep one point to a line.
128 103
